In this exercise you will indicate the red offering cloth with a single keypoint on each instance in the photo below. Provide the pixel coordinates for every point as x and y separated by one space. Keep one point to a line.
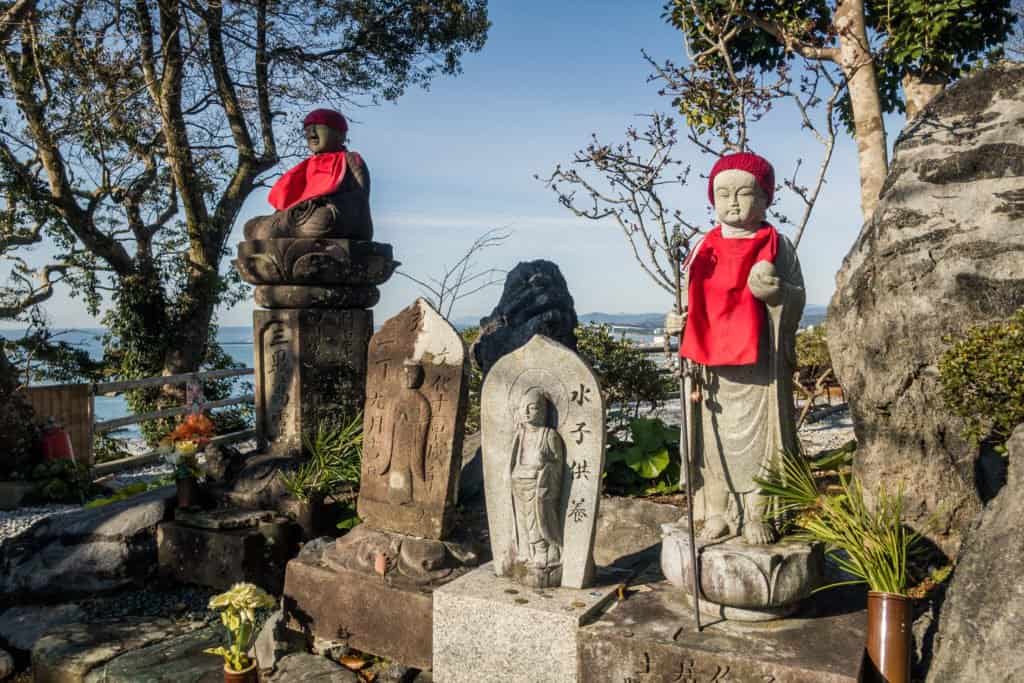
724 319
317 176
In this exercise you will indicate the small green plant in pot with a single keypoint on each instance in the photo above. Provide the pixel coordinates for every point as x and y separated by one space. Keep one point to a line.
335 456
868 542
237 609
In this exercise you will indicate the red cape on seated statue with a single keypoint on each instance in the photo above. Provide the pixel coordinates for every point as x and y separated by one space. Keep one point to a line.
724 320
319 175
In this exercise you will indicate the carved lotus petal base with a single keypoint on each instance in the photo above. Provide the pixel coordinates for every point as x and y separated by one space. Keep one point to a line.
309 296
309 261
740 581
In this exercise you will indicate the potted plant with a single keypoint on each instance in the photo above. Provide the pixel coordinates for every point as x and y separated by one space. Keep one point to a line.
334 456
238 614
870 543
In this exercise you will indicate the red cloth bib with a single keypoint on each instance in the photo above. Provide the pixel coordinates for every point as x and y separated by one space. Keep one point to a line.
317 176
724 319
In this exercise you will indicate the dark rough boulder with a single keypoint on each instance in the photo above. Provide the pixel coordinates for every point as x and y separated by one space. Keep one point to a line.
981 627
535 300
942 253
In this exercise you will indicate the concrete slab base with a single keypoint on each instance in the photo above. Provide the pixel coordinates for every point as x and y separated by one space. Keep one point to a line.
651 636
488 628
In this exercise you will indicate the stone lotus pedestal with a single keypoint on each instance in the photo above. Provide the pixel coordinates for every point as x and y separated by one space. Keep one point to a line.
739 581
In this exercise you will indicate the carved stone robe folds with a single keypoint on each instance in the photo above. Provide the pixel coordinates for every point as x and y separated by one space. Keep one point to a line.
746 414
536 490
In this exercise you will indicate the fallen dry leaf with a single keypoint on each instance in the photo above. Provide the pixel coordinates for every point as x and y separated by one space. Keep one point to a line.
354 663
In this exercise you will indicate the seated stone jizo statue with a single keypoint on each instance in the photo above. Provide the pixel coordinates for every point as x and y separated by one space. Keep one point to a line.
326 195
744 299
538 458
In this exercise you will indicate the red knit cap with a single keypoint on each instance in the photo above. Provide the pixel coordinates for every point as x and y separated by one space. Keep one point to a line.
327 117
744 161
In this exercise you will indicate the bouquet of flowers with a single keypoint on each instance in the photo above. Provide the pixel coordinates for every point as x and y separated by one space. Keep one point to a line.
182 444
238 614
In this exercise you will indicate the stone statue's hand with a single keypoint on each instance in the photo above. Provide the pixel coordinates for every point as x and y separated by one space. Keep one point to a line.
674 323
764 283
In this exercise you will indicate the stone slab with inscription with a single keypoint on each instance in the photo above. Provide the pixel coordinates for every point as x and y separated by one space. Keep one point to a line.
487 628
413 424
543 437
310 365
650 636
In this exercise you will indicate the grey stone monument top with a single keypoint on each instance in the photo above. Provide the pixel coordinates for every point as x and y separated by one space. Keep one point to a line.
413 423
543 437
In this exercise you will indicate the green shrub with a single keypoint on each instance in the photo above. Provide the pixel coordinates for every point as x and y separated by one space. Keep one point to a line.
646 462
812 356
628 376
982 378
335 457
476 380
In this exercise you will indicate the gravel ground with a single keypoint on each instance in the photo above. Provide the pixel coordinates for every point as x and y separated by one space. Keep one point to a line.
170 600
13 522
139 475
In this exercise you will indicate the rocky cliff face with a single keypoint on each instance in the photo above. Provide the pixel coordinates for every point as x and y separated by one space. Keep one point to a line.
981 627
942 252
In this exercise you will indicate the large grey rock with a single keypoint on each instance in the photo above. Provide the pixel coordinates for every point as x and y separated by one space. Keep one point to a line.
535 300
981 626
302 667
86 551
941 253
629 531
21 627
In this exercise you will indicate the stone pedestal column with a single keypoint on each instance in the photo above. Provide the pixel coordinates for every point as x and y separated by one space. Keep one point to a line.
310 365
312 335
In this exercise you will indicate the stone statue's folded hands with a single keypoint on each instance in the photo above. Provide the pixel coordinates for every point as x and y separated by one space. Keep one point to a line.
674 323
764 283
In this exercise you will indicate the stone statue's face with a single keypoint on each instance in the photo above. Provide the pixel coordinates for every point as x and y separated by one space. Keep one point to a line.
413 376
739 200
534 409
322 139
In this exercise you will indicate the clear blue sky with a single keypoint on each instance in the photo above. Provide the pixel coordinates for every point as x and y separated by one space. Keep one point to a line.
451 162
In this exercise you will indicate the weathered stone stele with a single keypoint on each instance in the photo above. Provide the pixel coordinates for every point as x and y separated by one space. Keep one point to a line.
942 253
574 432
413 424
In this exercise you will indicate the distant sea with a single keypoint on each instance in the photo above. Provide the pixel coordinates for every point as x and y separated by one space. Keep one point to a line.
237 342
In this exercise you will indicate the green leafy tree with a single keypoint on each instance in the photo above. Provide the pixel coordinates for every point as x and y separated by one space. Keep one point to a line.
132 132
890 56
629 378
982 379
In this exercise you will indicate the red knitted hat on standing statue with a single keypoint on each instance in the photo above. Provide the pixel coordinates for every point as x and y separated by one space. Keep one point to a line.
755 165
327 117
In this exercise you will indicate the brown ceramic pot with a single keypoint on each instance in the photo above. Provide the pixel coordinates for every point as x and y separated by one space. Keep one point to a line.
188 492
890 618
250 675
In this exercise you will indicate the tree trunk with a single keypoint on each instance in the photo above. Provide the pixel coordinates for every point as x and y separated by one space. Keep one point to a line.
919 90
857 64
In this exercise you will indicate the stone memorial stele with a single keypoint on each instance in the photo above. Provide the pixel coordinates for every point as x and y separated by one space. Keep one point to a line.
543 436
375 583
413 424
744 299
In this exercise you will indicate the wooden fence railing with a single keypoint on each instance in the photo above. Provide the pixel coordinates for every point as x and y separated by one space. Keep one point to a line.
73 405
